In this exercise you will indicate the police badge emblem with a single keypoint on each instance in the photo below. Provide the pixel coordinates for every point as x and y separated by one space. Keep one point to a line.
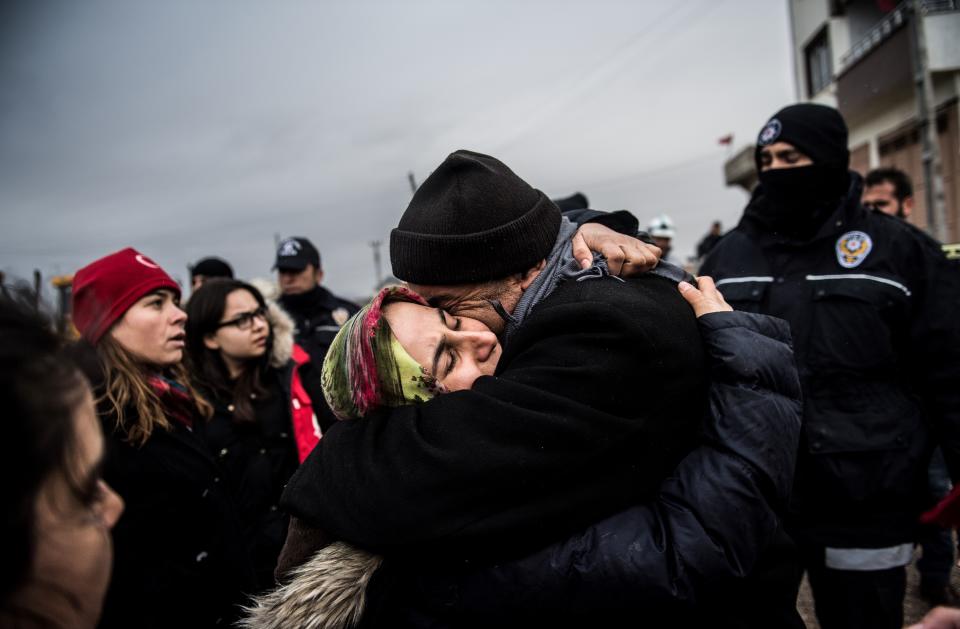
289 248
853 248
770 132
340 315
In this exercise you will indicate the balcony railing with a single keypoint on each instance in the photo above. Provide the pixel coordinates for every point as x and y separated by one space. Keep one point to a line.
935 6
891 23
886 27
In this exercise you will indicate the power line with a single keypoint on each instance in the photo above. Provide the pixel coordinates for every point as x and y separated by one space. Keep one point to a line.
590 78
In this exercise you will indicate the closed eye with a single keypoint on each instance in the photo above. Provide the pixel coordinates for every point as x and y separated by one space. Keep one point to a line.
451 364
445 318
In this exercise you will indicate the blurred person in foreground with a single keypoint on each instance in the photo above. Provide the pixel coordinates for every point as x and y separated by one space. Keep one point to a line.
58 511
457 491
208 268
890 191
243 359
179 555
871 303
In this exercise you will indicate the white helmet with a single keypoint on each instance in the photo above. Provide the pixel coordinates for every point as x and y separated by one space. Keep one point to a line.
661 227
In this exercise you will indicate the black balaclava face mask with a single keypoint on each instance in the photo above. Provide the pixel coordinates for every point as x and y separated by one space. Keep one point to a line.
798 200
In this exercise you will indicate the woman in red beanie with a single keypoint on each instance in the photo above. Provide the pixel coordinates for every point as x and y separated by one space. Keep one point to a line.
179 557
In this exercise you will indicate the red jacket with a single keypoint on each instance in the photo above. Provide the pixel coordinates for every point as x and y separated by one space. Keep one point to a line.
306 428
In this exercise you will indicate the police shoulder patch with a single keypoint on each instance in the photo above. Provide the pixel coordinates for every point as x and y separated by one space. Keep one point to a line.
340 316
852 248
770 132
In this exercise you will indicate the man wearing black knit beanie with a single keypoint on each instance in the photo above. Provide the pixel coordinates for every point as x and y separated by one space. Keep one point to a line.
870 300
599 394
442 239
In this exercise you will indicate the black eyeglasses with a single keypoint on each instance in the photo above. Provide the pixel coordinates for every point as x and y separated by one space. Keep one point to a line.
244 320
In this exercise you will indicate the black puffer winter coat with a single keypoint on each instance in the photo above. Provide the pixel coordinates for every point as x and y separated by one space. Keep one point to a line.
259 457
678 560
179 559
664 562
179 555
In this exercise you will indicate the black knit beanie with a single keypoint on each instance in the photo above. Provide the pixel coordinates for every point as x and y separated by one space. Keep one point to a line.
472 220
816 130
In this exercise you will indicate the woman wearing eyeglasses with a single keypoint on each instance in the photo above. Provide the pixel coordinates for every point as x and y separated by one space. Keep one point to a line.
242 357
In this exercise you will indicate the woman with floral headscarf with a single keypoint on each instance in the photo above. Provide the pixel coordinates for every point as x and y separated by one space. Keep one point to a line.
399 350
396 350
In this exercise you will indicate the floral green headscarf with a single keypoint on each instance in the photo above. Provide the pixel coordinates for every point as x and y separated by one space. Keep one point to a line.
367 368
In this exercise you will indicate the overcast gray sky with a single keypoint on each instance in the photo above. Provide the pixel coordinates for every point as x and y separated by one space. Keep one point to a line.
188 128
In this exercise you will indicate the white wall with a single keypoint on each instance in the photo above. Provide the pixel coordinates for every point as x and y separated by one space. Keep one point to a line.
808 17
840 42
943 40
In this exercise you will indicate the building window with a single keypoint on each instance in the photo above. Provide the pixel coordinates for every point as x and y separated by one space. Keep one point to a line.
819 70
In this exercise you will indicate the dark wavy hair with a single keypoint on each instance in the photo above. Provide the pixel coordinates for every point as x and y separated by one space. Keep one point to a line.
902 188
41 388
204 313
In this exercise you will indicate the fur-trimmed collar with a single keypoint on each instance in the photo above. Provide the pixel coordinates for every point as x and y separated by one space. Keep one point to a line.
283 327
326 592
281 322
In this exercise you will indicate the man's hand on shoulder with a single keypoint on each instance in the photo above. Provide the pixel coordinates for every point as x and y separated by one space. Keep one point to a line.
706 299
626 256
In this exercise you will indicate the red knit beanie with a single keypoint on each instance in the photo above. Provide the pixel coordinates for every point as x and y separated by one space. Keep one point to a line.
106 288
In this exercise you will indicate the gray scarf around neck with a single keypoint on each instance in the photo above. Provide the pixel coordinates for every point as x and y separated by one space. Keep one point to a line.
561 266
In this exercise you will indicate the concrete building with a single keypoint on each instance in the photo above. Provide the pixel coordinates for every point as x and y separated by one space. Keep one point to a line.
858 56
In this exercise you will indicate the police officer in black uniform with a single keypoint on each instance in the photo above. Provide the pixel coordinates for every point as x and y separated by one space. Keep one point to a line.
317 313
872 302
